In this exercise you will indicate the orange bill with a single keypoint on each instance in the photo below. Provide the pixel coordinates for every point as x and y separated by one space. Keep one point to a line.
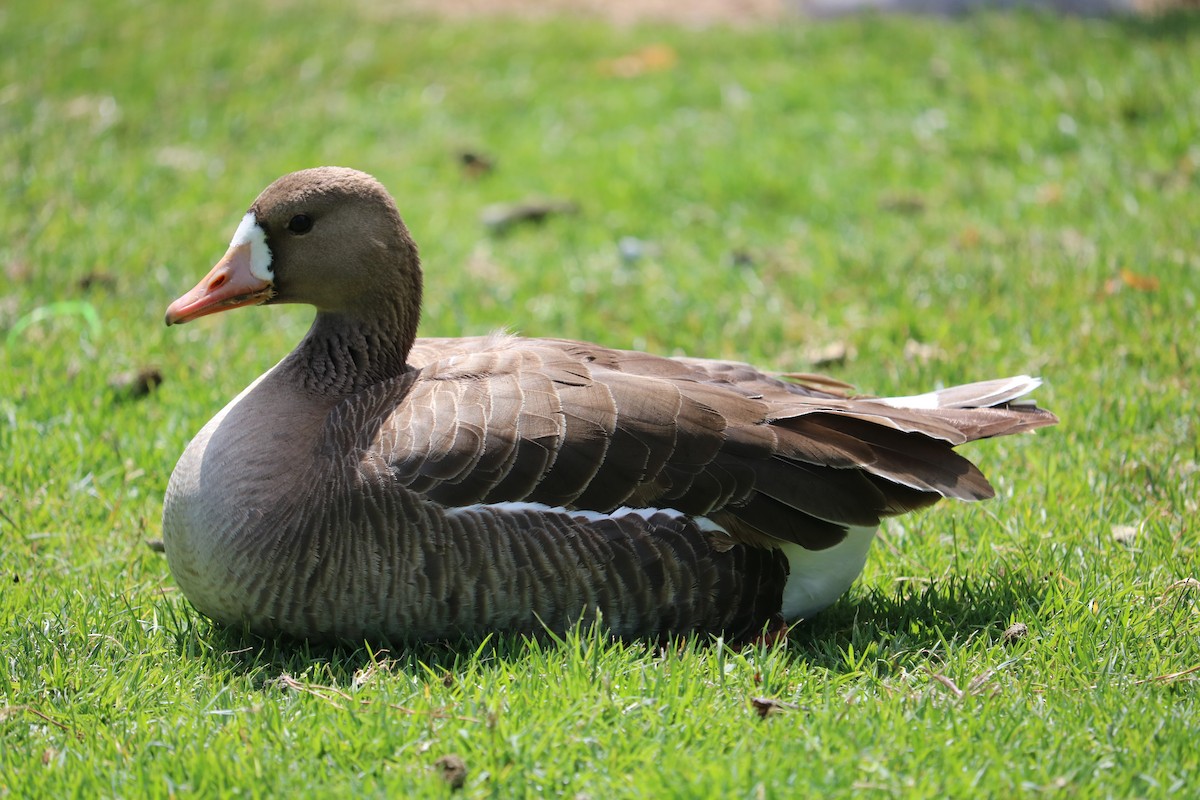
230 284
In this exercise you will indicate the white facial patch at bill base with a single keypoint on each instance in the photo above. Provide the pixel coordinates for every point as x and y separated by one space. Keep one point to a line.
251 233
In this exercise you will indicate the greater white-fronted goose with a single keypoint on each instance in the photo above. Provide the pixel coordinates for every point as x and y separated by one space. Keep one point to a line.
377 485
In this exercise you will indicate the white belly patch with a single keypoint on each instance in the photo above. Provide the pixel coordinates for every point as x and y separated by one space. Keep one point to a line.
819 577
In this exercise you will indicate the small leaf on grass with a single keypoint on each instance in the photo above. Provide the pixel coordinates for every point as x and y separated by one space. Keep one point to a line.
1014 633
947 682
475 165
134 384
1124 534
919 351
653 58
502 216
1127 278
1143 283
766 706
909 203
97 279
1049 194
832 354
452 769
969 238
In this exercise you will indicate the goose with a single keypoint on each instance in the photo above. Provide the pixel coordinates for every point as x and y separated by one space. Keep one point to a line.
373 485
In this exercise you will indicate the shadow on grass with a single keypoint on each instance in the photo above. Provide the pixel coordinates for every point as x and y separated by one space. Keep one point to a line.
240 652
921 621
914 622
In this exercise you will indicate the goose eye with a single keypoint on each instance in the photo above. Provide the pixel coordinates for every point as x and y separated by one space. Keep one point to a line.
300 224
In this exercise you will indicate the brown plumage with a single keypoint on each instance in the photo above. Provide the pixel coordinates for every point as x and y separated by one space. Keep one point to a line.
374 484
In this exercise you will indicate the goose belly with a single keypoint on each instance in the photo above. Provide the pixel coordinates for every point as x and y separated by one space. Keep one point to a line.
819 577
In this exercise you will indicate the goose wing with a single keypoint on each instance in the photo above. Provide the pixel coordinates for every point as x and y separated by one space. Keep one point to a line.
567 424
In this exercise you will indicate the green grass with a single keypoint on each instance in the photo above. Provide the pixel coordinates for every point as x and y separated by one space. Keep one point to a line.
950 200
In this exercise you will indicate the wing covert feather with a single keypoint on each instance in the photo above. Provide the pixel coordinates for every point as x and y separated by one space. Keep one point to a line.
501 419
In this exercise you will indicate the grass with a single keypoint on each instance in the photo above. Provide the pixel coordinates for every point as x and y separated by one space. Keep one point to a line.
943 200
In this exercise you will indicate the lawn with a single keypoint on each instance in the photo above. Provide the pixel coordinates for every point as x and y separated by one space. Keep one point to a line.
900 203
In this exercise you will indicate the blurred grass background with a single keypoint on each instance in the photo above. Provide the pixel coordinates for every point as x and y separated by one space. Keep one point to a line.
899 202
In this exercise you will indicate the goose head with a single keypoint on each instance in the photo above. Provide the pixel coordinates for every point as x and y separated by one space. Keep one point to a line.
329 237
